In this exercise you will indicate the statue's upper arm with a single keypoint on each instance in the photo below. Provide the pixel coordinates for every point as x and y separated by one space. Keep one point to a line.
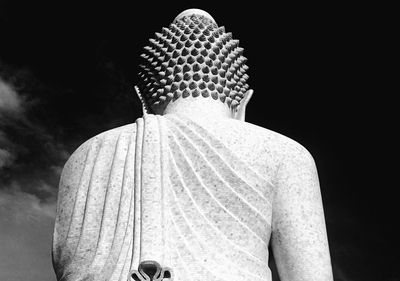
90 178
299 240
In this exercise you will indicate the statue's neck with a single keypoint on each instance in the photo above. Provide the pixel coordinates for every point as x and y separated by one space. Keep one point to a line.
198 108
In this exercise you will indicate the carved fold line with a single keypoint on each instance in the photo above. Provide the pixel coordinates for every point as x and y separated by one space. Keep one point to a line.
86 200
196 137
219 175
106 199
218 232
89 151
216 195
192 256
180 268
213 140
162 169
125 266
239 165
140 188
202 186
200 183
64 239
109 260
117 246
165 166
90 203
212 225
151 244
137 224
197 239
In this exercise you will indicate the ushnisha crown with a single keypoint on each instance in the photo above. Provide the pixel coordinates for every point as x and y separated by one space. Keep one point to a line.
193 57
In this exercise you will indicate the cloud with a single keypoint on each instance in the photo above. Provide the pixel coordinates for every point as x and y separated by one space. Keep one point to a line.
19 206
11 103
11 106
30 164
6 158
26 224
25 142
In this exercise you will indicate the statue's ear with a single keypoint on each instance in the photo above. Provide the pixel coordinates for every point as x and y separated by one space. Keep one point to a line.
145 107
241 110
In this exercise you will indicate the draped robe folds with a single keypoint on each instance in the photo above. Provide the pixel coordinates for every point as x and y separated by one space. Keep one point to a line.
162 189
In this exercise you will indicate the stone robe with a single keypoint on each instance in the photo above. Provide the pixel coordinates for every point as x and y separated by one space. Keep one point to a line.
165 189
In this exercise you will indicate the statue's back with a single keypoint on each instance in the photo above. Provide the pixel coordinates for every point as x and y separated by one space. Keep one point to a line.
172 190
188 192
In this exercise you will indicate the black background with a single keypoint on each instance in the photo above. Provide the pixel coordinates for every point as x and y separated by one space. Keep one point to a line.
317 71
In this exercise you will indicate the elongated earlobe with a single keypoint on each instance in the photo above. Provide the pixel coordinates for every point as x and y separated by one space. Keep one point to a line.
240 113
145 108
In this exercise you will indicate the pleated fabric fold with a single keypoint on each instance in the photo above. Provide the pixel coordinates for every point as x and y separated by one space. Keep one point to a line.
95 212
162 189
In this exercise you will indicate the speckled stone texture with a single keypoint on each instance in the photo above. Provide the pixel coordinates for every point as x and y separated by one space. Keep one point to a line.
190 193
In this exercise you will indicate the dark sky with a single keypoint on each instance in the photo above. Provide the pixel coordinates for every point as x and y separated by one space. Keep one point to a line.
67 72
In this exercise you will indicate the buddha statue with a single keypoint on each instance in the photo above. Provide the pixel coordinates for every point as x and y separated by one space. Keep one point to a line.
190 191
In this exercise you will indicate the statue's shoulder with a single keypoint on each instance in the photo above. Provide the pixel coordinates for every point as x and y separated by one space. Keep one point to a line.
283 147
79 158
108 135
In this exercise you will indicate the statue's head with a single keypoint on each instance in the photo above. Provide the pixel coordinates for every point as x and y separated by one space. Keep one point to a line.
192 57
